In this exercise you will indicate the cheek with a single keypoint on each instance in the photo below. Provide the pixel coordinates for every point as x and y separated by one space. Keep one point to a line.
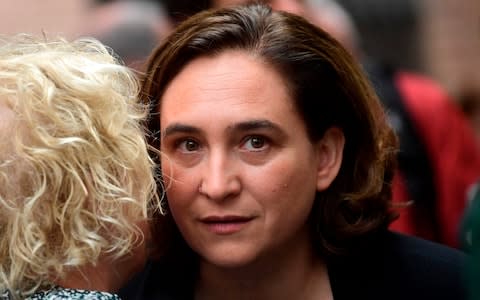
292 172
289 185
173 175
179 184
166 169
179 199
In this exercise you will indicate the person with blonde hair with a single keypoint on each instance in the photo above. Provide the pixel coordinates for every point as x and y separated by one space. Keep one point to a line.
76 179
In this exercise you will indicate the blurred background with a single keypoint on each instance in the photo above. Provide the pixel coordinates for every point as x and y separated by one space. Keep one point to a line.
440 38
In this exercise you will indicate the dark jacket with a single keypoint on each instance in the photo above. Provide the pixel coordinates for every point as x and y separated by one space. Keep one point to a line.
394 267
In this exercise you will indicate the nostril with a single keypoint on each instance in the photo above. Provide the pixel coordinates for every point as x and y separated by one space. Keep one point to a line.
219 190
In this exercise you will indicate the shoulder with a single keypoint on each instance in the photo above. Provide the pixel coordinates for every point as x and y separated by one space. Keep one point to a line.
401 267
62 293
420 256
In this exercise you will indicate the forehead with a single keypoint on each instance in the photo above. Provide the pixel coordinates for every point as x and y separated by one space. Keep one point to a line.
232 76
232 86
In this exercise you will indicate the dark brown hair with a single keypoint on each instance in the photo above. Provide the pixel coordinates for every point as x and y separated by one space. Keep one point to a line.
329 89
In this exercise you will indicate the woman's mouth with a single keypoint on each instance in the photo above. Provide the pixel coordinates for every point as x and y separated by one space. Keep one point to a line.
224 225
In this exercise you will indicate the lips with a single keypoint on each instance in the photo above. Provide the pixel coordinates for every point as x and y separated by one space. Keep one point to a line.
224 225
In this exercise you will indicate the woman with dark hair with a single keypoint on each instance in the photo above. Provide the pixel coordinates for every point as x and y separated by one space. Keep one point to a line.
278 160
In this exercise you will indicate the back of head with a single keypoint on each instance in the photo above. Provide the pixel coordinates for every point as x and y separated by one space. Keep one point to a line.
72 149
130 28
333 18
328 89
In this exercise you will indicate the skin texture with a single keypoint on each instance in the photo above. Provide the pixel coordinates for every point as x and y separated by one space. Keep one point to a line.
236 148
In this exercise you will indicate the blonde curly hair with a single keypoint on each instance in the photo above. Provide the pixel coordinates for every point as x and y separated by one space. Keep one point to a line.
75 174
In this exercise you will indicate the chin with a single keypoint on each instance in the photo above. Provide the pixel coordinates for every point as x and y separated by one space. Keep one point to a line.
229 258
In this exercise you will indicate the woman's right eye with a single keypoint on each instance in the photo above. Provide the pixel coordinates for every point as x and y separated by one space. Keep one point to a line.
188 145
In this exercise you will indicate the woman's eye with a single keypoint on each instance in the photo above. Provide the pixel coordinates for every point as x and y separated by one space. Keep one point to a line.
188 145
255 143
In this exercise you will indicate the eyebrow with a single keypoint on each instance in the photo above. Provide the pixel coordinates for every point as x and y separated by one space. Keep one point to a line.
179 128
254 124
241 126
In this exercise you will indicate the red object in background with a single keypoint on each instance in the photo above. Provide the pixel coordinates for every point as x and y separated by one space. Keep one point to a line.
454 155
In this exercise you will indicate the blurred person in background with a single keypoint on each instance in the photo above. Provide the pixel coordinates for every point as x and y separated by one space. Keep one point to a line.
131 28
470 240
389 31
469 100
439 158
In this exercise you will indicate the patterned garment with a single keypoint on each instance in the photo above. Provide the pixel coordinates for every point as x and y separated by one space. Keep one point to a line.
58 293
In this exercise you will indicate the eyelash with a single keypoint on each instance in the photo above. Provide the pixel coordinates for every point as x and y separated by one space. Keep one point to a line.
265 142
181 144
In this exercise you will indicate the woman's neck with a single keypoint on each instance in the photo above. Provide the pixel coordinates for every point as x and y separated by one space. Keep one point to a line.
295 272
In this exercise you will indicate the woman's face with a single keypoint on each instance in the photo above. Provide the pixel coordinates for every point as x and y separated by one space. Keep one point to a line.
241 170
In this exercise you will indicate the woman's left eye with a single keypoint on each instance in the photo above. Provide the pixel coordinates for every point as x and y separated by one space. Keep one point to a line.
255 143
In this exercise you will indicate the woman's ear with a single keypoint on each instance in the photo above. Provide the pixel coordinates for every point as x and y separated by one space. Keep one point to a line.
329 157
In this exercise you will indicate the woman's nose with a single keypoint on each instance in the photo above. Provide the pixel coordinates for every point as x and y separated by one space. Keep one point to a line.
220 180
